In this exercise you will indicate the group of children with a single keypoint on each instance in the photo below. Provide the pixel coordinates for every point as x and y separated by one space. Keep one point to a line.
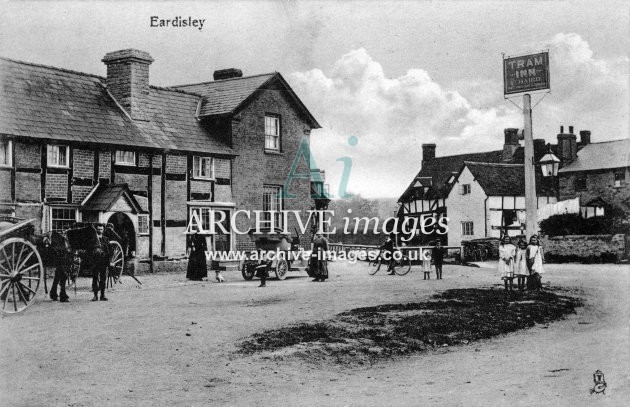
524 262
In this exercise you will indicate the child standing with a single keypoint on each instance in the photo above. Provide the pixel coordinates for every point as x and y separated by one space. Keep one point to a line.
535 263
520 266
507 253
426 263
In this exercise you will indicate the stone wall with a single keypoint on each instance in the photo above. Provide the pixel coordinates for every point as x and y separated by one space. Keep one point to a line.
583 247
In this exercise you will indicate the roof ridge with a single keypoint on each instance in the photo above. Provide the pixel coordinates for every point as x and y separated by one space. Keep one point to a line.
226 80
463 154
493 164
608 141
52 67
166 88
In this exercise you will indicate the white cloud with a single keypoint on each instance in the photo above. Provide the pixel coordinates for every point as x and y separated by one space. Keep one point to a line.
392 117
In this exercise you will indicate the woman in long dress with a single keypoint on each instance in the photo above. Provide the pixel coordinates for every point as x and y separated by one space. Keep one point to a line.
319 266
535 258
507 253
520 267
197 247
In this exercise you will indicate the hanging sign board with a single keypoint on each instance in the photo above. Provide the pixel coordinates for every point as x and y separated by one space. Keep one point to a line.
526 73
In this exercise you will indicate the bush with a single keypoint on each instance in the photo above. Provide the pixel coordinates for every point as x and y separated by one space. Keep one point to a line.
615 221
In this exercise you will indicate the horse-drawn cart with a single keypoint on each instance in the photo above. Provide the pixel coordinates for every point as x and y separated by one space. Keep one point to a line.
279 252
21 266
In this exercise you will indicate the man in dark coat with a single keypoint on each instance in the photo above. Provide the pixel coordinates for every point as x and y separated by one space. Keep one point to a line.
102 257
438 253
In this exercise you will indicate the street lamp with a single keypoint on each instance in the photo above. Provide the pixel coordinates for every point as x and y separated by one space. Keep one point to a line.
549 165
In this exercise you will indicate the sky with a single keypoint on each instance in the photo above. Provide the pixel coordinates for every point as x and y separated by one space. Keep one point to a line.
394 75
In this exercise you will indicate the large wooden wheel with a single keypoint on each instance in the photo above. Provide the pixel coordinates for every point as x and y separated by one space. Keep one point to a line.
282 268
21 273
117 259
248 269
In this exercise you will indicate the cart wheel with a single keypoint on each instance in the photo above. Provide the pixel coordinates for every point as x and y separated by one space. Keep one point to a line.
118 260
282 268
21 272
248 270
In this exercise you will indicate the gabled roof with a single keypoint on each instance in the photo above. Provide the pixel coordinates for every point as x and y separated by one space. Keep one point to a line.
228 96
440 169
498 179
104 196
599 156
49 103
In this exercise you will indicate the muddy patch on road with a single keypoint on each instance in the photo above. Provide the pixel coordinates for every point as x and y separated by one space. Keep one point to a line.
454 317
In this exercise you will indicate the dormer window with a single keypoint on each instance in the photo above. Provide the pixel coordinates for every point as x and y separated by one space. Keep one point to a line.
58 155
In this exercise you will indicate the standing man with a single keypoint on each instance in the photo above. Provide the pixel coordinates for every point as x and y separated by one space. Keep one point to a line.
101 263
438 253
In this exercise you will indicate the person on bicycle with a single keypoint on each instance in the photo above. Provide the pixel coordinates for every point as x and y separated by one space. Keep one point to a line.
387 252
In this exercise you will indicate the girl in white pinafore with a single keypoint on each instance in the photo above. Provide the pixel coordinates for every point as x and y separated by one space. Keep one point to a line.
535 258
520 265
507 253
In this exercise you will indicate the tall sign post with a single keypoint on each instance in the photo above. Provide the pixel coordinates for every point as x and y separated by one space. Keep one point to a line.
524 74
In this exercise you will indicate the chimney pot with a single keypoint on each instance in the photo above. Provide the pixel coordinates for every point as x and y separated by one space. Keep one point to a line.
570 129
561 129
585 137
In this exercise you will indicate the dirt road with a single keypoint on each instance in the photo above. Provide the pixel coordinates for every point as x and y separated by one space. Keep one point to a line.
172 342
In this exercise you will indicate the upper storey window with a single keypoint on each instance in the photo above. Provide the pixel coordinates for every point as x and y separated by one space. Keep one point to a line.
272 133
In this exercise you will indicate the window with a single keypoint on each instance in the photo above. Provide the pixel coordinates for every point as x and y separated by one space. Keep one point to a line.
580 182
465 189
6 153
58 156
272 201
467 229
510 218
125 157
620 176
62 219
203 167
272 133
143 224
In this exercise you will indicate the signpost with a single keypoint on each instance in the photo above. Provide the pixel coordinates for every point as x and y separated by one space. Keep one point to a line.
527 73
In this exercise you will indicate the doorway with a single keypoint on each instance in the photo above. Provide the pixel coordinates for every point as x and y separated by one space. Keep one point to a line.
123 226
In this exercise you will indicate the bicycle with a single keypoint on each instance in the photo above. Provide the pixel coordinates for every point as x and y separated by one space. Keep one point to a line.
401 265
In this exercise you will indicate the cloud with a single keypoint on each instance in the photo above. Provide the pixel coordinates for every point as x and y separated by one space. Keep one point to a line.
392 117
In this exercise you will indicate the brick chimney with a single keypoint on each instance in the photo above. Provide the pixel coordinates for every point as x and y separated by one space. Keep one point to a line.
128 80
585 137
428 151
540 148
510 145
567 145
227 74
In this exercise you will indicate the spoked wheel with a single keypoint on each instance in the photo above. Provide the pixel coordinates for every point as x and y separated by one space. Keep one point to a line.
403 266
282 268
117 259
248 269
21 273
374 266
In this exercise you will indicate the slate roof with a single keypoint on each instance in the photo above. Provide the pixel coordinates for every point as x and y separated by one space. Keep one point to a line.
506 179
50 103
598 156
105 195
440 169
228 96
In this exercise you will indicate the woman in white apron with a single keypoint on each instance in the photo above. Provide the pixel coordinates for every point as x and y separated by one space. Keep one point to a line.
507 253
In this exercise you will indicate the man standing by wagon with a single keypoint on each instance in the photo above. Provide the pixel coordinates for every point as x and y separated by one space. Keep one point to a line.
102 256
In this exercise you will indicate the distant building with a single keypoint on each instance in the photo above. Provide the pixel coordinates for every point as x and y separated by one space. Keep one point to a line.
483 194
599 174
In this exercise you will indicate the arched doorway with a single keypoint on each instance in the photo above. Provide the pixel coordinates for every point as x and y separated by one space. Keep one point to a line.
124 227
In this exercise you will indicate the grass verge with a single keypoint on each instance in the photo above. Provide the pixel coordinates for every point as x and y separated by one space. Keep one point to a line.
457 316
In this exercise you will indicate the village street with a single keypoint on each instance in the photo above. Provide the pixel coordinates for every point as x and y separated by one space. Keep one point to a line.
172 342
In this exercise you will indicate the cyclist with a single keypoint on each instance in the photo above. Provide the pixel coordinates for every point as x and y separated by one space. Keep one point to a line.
387 251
